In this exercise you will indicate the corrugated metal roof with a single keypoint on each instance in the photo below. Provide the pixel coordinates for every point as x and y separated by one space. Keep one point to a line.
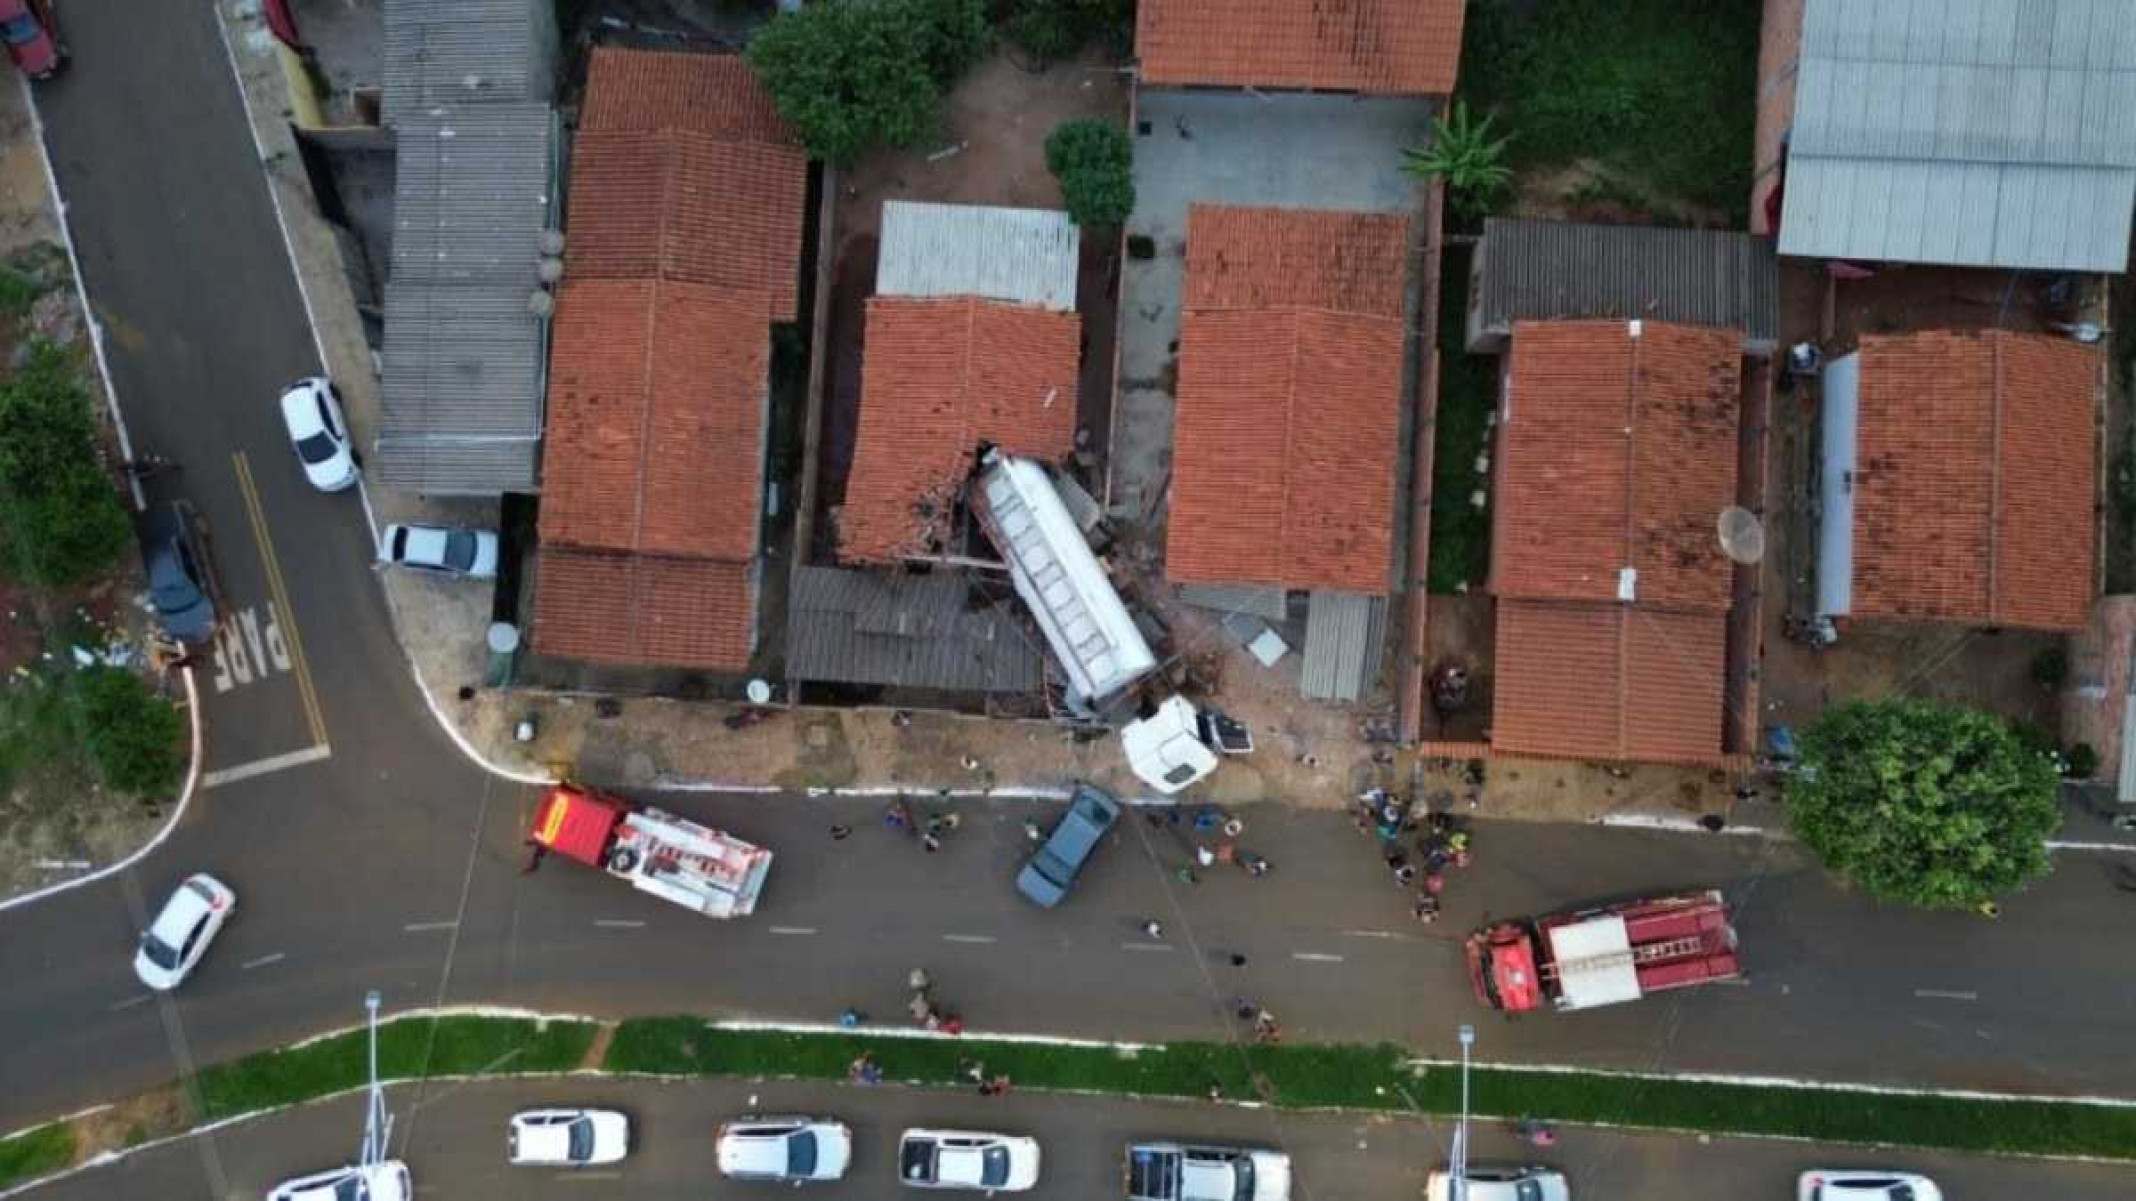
1344 639
1024 256
912 631
453 465
1548 270
472 195
1975 132
466 52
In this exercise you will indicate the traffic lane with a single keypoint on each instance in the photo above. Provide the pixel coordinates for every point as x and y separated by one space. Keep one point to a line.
452 1137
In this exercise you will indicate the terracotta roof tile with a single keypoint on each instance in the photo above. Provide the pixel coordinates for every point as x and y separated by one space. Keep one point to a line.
1973 492
648 90
1258 258
1284 456
1616 452
656 419
939 377
1392 47
643 609
1608 681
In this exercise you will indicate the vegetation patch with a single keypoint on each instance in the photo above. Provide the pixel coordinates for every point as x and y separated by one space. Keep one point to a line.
59 512
1094 162
408 1049
38 1151
1051 30
1468 392
852 75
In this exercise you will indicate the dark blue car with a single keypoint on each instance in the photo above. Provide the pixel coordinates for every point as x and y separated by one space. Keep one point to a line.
1052 869
179 586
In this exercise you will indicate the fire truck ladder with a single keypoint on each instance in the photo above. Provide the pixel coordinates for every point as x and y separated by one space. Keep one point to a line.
1644 953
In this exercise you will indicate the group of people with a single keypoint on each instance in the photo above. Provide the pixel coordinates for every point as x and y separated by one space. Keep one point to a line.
1266 1029
923 1009
1213 835
1442 845
898 818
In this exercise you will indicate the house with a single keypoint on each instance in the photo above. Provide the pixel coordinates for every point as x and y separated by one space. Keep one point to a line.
1371 47
1959 480
684 247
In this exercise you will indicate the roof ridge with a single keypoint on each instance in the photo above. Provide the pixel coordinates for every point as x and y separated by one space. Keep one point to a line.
1631 461
1996 400
1290 416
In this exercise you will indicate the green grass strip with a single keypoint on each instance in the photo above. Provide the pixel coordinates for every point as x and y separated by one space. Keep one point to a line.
407 1049
35 1152
1383 1078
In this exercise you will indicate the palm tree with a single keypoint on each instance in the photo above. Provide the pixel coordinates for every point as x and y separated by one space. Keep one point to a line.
1464 154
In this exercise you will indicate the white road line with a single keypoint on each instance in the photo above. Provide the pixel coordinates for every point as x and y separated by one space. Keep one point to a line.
263 961
1145 946
1947 995
261 767
978 938
130 1002
1316 957
1371 934
609 923
425 927
793 929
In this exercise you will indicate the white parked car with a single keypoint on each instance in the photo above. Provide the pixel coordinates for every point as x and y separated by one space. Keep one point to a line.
471 553
386 1181
1864 1184
311 410
1502 1182
180 935
967 1159
790 1149
570 1138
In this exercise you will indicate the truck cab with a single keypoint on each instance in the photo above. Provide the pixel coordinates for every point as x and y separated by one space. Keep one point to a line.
1160 1171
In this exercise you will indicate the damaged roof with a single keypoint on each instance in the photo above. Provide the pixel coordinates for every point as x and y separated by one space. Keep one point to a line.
899 629
1382 47
938 378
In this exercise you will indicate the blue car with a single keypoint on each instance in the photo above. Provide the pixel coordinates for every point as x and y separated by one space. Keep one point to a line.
179 584
1052 869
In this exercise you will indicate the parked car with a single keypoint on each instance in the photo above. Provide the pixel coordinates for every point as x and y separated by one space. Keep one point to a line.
570 1138
472 553
1502 1182
1159 1171
32 37
1053 867
1864 1184
790 1150
387 1181
311 412
967 1159
175 942
180 588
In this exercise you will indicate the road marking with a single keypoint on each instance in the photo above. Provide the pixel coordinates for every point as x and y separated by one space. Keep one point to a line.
130 1002
267 766
422 927
610 923
309 694
1371 934
978 938
1946 995
1316 957
263 961
1145 946
793 929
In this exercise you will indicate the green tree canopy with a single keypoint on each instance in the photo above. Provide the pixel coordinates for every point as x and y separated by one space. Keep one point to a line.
1924 803
1467 157
1094 162
60 514
854 74
135 738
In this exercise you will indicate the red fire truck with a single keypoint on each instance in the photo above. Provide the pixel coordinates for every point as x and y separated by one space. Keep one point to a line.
1600 956
671 857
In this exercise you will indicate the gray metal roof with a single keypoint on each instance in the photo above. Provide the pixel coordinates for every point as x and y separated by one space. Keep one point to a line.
1345 639
467 52
1271 604
472 195
1024 256
1974 132
912 631
1544 270
449 465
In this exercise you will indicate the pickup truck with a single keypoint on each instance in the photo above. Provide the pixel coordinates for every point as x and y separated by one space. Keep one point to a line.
1187 1172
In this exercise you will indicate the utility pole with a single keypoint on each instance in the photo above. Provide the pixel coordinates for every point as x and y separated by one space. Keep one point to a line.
1459 1167
377 1123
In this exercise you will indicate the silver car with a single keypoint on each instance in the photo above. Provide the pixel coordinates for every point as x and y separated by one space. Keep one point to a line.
1502 1182
788 1150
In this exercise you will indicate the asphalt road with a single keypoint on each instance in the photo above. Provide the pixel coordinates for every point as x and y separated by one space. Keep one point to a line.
452 1138
391 863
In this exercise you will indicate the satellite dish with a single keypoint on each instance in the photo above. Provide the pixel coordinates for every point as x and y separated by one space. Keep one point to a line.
759 692
1742 535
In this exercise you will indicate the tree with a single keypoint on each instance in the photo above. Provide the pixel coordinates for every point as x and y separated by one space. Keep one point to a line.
1051 30
59 512
1094 162
853 74
1924 803
1463 153
132 734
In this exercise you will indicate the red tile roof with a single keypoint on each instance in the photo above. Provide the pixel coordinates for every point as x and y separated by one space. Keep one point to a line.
656 419
1288 400
1974 479
1608 681
619 608
1392 47
1617 451
939 377
648 90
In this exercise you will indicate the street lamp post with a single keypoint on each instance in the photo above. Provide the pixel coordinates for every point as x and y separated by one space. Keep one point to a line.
1459 1172
377 1123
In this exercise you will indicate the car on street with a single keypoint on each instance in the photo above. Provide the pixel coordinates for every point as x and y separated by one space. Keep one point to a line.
967 1159
1164 1171
1501 1182
386 1181
311 412
32 37
1864 1184
174 943
788 1150
1051 871
179 586
472 553
565 1137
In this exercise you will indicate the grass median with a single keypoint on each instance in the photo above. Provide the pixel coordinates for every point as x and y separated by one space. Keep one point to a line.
1384 1078
35 1152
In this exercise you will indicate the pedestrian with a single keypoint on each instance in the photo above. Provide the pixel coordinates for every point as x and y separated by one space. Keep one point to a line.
851 1018
952 1024
951 821
898 817
1405 876
1204 856
1243 1009
865 1070
1032 832
1426 909
1434 884
935 824
975 1070
1237 959
1001 1085
970 764
987 1089
930 844
1395 859
1186 876
1153 927
1988 909
921 1009
1216 1091
1255 865
918 981
840 833
1713 823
